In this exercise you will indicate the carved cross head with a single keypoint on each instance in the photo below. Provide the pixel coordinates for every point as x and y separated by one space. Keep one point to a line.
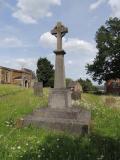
59 30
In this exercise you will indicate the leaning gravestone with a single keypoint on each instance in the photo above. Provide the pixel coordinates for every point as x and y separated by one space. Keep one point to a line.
38 89
60 115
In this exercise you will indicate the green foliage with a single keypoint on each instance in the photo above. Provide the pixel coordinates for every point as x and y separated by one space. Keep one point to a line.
68 80
106 64
87 85
45 72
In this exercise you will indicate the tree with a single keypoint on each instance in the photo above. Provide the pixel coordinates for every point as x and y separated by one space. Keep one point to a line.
45 72
68 80
87 85
106 64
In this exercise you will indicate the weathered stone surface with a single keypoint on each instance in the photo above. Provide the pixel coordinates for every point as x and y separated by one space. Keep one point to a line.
73 120
59 98
38 89
59 81
59 32
76 95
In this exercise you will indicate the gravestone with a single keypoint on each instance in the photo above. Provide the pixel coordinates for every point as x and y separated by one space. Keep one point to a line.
76 90
38 89
60 114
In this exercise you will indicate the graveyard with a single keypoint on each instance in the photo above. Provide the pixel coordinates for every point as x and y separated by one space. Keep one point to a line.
30 142
44 123
59 80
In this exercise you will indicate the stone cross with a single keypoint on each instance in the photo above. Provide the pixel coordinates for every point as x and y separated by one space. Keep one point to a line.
59 31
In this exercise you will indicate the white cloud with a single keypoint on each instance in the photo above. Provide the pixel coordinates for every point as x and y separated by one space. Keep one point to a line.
10 42
73 45
114 5
47 40
77 45
30 11
28 62
96 4
18 63
69 62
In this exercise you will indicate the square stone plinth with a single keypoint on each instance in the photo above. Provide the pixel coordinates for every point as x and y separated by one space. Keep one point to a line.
72 120
59 98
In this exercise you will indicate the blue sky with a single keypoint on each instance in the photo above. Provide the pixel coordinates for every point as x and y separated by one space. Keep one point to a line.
25 27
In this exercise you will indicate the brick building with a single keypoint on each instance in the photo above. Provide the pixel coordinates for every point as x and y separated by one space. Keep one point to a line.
23 77
113 86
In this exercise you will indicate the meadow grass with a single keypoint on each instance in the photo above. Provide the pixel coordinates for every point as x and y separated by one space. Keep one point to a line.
31 143
9 89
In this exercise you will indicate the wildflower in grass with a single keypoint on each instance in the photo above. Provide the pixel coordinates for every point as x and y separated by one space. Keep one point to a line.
19 147
10 155
38 142
43 149
31 148
39 156
57 146
13 148
101 157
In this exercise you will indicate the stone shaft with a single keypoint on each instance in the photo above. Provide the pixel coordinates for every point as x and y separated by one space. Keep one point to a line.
59 42
59 81
59 97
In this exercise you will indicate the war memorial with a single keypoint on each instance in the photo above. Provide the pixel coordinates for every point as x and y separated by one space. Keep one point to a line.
60 114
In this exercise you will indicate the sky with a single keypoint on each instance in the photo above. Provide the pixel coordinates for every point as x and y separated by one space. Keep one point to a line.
25 27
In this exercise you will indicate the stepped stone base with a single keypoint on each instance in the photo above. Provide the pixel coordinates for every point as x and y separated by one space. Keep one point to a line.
72 120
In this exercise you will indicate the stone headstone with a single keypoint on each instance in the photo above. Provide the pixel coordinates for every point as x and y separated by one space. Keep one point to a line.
38 89
76 90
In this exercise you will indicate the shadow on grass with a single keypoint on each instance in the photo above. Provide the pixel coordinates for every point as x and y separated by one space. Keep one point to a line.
61 147
3 152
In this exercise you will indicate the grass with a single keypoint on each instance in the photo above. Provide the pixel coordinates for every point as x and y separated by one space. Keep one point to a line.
105 119
9 89
37 144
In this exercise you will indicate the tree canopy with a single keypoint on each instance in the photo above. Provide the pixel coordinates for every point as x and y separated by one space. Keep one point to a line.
87 85
106 64
45 72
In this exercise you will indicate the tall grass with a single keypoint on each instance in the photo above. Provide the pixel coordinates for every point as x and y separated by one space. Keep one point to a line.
9 89
37 144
